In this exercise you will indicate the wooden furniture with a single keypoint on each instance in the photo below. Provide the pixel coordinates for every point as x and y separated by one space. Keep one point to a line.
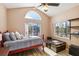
74 50
48 43
0 39
24 49
74 26
22 45
58 45
74 19
0 43
4 51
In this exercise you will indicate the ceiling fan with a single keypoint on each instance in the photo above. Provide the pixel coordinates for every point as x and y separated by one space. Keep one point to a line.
45 5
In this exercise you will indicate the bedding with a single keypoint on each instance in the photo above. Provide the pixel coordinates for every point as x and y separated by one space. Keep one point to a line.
12 36
24 43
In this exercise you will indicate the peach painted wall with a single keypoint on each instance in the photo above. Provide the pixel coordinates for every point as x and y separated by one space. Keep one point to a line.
3 18
69 14
16 20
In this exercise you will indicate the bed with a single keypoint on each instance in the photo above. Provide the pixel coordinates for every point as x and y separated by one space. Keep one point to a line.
24 44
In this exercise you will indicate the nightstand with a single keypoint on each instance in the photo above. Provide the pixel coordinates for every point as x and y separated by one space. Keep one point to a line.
4 51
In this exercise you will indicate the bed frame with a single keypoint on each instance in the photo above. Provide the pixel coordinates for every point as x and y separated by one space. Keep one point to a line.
24 49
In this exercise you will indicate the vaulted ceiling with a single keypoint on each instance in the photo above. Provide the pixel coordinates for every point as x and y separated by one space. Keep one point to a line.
52 10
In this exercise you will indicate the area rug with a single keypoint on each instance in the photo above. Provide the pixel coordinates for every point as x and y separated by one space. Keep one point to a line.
32 52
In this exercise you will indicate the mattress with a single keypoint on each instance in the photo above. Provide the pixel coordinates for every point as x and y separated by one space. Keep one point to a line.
23 43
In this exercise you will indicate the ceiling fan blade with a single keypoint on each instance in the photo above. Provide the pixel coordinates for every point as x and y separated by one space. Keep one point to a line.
53 4
39 6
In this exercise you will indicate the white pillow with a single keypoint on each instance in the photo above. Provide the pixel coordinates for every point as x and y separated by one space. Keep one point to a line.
18 36
13 33
12 36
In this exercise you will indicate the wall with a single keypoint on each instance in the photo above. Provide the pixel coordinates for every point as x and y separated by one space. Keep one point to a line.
3 18
69 14
16 20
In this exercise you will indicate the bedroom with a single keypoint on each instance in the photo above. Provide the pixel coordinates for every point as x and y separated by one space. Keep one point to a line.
15 18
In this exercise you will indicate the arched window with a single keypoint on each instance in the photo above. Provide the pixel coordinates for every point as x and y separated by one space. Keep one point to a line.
33 15
32 27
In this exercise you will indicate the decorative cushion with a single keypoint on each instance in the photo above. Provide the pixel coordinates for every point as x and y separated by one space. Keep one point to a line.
12 36
22 36
18 36
6 36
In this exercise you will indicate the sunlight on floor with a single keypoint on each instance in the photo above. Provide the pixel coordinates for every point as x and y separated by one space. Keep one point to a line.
52 53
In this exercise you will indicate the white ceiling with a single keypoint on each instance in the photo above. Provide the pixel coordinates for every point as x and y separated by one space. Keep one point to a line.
51 9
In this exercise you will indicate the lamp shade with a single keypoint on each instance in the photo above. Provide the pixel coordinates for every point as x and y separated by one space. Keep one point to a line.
0 36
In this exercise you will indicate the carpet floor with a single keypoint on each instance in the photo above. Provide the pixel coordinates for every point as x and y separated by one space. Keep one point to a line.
32 52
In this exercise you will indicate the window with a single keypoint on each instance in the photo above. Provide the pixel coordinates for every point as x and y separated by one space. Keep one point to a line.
32 15
32 27
62 29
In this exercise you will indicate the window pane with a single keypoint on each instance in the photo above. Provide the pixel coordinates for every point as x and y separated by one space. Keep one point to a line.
32 15
34 29
62 29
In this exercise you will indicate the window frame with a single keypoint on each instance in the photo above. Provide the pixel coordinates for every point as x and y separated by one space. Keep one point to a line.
60 32
32 21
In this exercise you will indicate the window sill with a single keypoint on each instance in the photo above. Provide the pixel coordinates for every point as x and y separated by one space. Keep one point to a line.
62 37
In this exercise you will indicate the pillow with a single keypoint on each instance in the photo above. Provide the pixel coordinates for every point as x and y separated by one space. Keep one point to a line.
22 36
6 36
12 36
18 36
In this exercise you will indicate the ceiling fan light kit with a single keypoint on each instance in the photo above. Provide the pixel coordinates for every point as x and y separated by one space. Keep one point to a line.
45 5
